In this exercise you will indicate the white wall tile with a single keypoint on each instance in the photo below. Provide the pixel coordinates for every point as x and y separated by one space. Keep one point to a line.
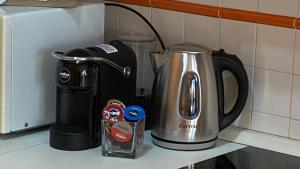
205 2
295 109
279 7
239 38
275 48
298 14
272 92
294 129
241 4
131 23
169 24
202 30
270 124
297 54
111 23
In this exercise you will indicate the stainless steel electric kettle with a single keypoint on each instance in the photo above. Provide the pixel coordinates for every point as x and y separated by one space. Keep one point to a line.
188 96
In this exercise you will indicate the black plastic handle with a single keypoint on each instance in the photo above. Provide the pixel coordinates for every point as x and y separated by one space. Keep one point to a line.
222 62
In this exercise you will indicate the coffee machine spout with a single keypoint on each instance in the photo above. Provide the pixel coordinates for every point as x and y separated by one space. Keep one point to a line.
125 70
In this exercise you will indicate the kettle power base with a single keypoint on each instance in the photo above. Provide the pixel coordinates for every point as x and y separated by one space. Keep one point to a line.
183 146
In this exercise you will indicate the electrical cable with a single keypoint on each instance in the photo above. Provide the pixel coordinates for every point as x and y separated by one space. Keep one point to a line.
143 18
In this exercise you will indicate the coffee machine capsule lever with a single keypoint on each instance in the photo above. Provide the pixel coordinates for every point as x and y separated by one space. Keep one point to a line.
60 55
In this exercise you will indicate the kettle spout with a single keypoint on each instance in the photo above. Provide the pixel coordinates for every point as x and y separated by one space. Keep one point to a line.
157 60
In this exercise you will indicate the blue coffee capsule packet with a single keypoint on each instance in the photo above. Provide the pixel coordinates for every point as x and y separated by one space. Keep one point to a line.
134 113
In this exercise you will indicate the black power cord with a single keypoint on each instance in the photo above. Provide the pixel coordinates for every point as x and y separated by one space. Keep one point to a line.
143 18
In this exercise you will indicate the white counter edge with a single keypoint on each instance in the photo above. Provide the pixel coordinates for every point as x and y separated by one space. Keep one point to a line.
261 140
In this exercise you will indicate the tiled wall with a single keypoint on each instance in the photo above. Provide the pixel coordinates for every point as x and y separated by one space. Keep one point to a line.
270 54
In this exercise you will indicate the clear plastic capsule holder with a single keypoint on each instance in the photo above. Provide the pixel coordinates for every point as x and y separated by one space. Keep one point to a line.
111 147
132 148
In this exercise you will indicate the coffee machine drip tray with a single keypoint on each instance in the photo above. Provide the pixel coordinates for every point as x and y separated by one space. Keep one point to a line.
71 138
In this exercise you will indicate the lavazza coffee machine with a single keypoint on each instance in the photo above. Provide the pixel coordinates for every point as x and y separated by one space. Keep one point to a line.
86 80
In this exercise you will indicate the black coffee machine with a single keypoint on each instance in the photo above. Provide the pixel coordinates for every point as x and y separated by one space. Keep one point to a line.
86 80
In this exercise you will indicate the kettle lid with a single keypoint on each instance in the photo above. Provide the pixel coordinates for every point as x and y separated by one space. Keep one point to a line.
188 47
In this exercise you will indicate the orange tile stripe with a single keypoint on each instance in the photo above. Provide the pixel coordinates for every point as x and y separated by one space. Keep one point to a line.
257 17
297 23
186 7
219 12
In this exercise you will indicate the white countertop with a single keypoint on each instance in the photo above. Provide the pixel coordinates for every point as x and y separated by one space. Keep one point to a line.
31 150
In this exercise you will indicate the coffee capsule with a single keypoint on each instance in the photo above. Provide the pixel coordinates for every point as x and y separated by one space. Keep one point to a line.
112 113
122 131
116 101
134 113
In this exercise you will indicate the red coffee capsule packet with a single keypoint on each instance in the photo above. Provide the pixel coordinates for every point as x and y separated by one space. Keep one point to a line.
112 113
122 131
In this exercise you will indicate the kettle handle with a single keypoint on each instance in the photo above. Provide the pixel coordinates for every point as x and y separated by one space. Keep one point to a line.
222 62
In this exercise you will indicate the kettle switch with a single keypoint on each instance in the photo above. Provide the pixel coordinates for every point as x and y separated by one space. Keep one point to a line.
190 96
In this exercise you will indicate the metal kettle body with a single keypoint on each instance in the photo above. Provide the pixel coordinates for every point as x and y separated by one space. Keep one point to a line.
187 98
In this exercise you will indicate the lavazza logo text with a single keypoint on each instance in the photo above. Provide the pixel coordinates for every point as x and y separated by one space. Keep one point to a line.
64 75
